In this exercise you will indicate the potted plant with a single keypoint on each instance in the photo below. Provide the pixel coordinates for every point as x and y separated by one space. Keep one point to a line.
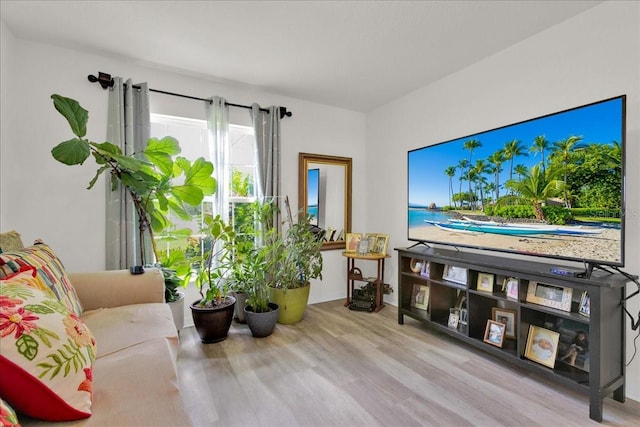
213 312
296 259
254 266
150 178
261 314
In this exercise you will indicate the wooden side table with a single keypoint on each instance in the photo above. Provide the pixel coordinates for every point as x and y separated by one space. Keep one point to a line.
354 275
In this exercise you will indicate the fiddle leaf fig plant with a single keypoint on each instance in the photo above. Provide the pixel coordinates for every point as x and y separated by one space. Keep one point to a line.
158 180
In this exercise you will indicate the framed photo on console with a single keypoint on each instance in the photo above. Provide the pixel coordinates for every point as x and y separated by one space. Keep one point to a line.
455 274
416 265
585 304
485 282
511 285
542 346
508 317
420 296
549 295
494 333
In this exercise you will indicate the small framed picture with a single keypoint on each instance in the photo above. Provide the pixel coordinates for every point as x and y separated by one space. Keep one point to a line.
454 318
426 269
494 333
420 296
512 289
455 274
549 295
508 318
485 282
371 240
585 304
542 346
380 247
464 316
353 240
416 265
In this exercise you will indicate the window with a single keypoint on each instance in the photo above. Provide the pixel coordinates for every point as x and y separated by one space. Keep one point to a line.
192 135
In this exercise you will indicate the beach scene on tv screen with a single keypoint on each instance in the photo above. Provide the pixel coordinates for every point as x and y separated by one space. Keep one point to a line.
551 186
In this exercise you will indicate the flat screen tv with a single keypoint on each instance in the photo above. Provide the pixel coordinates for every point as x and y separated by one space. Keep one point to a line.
552 186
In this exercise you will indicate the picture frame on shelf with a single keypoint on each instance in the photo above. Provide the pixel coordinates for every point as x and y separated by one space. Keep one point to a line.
426 270
455 274
557 297
508 317
542 346
512 288
573 347
585 304
382 242
485 282
416 265
464 316
371 239
454 318
494 333
352 242
420 297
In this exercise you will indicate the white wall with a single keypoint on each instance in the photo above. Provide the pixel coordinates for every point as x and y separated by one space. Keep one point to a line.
42 198
593 56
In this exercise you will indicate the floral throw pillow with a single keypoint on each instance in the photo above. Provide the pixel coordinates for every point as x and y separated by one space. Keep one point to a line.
8 416
46 353
51 272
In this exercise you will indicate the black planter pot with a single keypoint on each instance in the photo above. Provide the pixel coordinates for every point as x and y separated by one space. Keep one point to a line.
261 324
213 324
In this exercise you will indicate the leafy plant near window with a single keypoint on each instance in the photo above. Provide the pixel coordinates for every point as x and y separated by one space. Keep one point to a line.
158 180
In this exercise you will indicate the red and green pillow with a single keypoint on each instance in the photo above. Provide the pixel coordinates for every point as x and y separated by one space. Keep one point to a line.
8 417
46 352
51 272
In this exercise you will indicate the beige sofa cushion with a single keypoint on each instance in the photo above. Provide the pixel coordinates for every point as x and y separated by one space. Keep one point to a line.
121 327
136 386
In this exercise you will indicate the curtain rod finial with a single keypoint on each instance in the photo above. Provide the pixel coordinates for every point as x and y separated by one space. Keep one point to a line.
104 79
284 112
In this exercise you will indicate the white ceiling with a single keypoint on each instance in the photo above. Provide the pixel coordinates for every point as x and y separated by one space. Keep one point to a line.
356 55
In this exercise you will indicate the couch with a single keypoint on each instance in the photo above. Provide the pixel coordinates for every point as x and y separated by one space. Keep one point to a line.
135 368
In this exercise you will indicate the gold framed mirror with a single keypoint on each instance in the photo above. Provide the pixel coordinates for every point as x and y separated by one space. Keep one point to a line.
324 192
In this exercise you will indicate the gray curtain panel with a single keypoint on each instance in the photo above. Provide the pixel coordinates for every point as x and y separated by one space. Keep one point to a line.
128 127
218 127
267 130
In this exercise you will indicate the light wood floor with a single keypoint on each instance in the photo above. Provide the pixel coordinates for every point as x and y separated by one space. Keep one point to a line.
343 368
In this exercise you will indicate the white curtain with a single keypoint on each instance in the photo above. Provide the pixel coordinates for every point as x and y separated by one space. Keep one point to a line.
266 125
218 131
128 128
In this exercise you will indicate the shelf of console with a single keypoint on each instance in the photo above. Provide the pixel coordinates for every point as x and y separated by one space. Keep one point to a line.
605 373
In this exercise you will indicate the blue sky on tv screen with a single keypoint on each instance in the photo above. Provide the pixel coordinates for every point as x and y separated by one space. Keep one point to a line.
599 123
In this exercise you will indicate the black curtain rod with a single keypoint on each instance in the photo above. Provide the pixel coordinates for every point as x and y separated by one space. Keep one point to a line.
106 81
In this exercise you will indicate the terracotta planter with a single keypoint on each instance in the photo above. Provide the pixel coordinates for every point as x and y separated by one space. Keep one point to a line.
292 302
261 324
213 324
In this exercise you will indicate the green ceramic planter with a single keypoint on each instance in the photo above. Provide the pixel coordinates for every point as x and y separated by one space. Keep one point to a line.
292 303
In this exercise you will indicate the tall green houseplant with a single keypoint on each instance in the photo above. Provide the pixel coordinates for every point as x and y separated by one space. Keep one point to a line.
159 181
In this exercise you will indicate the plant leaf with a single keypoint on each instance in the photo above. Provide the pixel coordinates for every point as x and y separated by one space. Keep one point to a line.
73 112
190 194
200 175
72 152
160 152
